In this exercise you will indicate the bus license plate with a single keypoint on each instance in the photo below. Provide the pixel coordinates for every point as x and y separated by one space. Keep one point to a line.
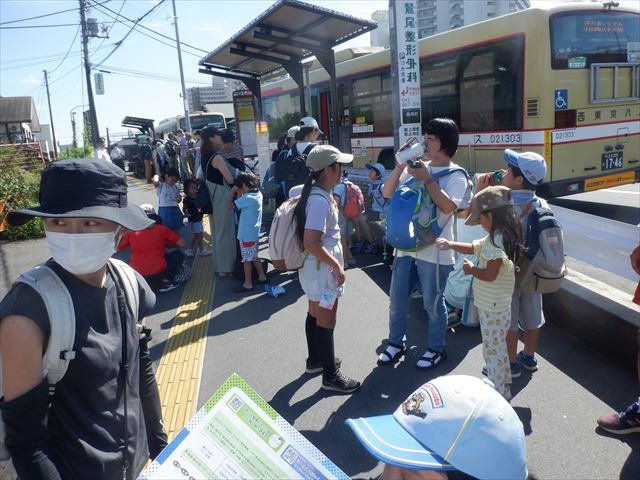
611 160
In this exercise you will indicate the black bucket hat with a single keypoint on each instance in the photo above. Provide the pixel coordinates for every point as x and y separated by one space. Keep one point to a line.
84 188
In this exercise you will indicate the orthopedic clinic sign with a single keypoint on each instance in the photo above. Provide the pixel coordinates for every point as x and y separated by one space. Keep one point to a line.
406 62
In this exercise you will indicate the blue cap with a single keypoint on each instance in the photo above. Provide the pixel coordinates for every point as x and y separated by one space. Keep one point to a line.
455 422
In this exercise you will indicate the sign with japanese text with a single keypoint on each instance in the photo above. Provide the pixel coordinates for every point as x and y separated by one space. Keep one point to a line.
408 68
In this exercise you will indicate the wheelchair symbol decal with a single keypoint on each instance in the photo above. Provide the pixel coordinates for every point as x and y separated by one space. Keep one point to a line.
561 99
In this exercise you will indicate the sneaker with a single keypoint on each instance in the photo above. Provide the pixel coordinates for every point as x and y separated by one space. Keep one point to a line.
204 252
340 383
516 371
351 262
316 367
416 293
453 319
168 287
189 253
527 361
622 423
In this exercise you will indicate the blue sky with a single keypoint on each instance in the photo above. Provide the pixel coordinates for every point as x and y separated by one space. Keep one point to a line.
145 79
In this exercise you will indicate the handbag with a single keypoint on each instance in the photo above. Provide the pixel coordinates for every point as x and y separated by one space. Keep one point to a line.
203 198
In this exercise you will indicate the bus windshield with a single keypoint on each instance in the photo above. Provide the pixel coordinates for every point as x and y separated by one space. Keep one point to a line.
582 38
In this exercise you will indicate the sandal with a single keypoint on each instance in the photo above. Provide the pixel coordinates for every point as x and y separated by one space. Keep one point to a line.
432 360
391 359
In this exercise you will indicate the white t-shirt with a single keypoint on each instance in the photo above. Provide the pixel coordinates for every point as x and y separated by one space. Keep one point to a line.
101 154
455 186
322 215
168 195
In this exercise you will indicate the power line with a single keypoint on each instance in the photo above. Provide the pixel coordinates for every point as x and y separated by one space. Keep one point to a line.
119 43
66 54
39 16
157 33
39 26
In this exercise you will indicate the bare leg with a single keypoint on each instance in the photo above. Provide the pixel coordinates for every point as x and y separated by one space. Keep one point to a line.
258 265
248 270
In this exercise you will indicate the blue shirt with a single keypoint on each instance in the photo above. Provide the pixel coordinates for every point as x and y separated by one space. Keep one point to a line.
378 202
250 206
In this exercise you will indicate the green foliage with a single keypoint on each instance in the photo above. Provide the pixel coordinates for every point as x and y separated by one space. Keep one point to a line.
278 126
20 188
80 152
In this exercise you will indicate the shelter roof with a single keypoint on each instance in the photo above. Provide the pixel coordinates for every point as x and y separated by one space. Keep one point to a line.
288 31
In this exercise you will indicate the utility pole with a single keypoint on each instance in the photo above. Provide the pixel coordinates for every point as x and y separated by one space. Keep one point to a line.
53 130
73 128
184 91
95 134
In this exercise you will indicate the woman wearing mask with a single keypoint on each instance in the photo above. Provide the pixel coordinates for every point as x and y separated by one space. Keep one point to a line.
94 426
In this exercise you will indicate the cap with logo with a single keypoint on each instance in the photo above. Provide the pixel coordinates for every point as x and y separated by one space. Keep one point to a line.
310 122
322 156
490 198
531 164
454 422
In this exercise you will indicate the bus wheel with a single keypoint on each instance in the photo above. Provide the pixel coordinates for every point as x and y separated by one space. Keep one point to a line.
387 158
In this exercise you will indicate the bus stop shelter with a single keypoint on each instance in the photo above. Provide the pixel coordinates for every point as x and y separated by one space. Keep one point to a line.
145 125
282 37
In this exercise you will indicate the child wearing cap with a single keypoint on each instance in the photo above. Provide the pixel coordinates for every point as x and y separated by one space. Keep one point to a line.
379 204
493 276
525 171
322 275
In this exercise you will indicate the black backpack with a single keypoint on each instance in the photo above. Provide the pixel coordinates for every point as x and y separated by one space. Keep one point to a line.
291 169
170 148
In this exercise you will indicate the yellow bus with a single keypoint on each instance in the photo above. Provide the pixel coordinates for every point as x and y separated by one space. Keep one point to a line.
562 80
198 120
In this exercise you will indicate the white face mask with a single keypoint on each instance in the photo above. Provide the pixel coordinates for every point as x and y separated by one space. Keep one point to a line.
82 253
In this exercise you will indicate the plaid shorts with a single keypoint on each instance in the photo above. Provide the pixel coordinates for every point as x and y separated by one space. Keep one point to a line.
249 251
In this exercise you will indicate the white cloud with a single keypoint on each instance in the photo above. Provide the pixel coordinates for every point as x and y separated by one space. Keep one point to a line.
30 80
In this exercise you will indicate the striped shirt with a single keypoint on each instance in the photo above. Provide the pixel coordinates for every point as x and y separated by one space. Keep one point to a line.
493 296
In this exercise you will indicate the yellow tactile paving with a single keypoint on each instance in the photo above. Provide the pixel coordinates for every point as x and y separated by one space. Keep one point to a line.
180 367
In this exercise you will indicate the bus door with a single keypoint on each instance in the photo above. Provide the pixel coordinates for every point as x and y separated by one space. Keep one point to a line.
325 116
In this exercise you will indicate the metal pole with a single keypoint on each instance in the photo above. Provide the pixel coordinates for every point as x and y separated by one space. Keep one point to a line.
184 91
53 130
95 134
73 128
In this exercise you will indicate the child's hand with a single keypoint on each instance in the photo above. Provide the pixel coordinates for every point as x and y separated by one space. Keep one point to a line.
442 243
467 266
338 276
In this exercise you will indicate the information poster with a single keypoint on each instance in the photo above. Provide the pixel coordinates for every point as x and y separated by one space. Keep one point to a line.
237 434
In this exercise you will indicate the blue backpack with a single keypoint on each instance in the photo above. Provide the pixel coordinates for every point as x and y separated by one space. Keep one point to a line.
412 217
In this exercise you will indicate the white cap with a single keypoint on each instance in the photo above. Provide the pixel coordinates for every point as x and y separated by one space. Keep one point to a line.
292 131
310 122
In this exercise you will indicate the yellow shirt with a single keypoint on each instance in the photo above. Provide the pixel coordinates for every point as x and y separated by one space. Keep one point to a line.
493 296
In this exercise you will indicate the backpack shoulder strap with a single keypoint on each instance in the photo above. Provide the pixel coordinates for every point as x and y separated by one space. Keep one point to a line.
308 149
129 282
62 319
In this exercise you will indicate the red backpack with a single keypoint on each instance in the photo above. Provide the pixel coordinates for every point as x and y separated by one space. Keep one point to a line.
353 202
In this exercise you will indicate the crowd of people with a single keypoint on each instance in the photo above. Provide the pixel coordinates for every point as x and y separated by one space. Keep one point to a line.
118 440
